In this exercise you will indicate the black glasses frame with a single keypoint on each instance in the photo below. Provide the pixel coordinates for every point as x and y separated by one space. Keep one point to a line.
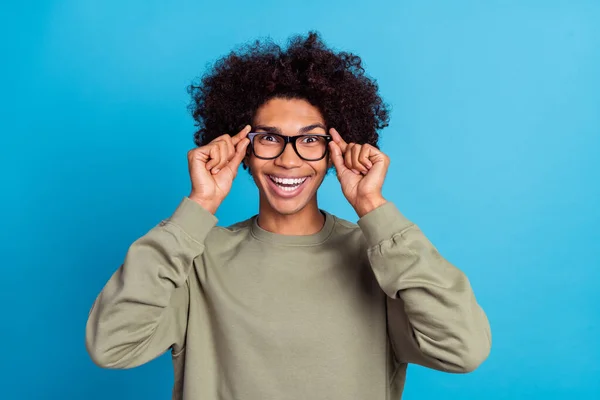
286 140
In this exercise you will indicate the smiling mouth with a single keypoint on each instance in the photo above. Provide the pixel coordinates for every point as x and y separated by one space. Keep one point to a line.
287 184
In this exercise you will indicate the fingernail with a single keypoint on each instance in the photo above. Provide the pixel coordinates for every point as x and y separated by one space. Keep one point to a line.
216 171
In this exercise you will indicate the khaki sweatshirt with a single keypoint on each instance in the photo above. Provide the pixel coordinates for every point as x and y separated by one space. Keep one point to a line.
253 315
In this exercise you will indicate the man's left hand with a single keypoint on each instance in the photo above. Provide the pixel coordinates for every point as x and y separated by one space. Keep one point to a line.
361 170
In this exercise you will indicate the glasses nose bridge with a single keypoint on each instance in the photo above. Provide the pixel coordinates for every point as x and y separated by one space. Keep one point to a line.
291 140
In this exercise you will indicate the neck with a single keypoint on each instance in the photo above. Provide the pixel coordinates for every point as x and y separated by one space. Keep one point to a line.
306 221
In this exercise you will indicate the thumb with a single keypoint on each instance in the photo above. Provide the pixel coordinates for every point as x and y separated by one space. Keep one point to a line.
240 153
337 158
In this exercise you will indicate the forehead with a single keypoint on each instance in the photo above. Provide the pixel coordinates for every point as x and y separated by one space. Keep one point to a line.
290 113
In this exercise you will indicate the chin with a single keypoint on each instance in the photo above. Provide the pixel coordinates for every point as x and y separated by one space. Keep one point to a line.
287 209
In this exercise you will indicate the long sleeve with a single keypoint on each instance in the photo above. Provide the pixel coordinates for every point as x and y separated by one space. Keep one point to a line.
433 317
142 310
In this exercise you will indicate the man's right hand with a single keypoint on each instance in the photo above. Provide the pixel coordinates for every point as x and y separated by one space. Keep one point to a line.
214 166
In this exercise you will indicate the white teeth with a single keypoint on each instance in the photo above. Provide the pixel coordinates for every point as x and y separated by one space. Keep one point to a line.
295 182
288 181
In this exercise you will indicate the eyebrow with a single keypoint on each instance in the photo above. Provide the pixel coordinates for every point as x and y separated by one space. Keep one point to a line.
274 129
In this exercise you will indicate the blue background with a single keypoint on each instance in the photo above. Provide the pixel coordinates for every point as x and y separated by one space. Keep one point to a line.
494 138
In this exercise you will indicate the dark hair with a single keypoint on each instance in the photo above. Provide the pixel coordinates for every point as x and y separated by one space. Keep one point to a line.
229 94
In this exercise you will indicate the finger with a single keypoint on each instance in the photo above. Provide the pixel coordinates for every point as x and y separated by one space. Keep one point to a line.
363 157
240 153
197 159
241 135
199 153
224 158
380 161
337 158
227 139
348 155
337 138
356 163
214 156
348 158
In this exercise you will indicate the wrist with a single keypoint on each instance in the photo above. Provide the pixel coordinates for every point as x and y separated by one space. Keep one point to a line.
368 204
208 205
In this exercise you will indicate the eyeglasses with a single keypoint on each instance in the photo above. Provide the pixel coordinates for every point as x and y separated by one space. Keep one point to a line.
268 146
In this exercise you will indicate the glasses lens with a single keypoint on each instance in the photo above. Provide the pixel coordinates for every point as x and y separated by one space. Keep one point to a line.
267 145
311 147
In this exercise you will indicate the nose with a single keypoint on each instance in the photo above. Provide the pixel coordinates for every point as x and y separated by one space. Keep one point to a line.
289 158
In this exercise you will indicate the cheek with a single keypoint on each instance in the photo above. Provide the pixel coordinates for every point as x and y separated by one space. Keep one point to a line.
256 166
321 167
320 170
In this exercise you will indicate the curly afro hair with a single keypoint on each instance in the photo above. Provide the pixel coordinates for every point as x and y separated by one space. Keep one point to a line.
228 95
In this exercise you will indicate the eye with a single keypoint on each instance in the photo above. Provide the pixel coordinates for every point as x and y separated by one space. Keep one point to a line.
265 137
312 139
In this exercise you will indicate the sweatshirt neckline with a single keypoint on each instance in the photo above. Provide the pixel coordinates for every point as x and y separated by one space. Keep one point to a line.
295 240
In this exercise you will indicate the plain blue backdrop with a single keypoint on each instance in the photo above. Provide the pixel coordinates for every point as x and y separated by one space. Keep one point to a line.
494 142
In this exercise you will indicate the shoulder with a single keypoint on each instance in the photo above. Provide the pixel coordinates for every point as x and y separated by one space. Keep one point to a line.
349 243
347 232
343 225
229 236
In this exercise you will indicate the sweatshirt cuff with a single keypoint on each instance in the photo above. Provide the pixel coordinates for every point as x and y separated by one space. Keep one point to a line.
382 223
193 219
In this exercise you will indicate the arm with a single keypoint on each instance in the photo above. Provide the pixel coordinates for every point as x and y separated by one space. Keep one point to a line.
433 317
142 310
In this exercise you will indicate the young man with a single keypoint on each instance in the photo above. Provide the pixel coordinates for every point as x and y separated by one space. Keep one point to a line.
293 303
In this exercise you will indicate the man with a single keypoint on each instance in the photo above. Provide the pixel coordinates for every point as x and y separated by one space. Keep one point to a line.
293 303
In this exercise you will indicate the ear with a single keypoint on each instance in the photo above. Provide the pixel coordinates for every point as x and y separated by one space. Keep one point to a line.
246 163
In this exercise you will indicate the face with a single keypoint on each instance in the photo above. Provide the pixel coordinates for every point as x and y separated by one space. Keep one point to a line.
288 184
